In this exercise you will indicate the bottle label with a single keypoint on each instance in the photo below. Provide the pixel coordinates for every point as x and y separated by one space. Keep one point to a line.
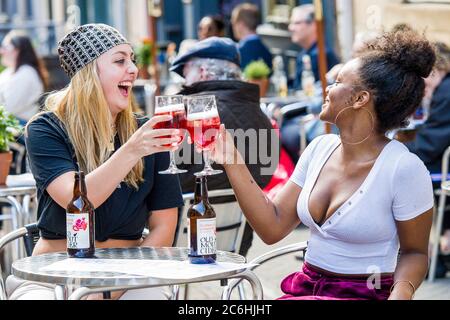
78 231
206 237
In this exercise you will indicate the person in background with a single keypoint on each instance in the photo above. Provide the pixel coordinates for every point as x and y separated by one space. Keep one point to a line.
211 26
304 33
90 126
367 200
314 128
433 137
212 68
245 18
25 78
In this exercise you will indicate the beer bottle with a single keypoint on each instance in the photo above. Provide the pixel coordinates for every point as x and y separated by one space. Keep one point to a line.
201 226
80 222
308 78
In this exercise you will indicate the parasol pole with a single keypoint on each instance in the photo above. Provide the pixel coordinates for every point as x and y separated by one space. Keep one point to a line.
323 65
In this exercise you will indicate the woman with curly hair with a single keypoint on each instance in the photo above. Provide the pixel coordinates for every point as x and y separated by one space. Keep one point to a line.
363 196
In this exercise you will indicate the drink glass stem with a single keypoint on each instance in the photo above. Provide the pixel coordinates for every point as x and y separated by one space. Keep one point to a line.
207 162
172 160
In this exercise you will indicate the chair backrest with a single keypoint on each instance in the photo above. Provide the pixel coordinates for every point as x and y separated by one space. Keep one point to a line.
30 236
229 218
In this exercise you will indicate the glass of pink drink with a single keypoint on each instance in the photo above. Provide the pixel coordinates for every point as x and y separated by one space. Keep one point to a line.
203 124
173 106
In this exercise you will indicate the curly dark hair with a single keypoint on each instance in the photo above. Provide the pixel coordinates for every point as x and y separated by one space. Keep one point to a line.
393 69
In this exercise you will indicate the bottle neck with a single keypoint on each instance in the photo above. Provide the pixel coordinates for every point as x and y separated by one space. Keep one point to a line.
201 190
83 184
79 187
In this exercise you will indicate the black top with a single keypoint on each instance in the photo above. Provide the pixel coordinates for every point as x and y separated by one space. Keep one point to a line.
253 49
433 137
124 214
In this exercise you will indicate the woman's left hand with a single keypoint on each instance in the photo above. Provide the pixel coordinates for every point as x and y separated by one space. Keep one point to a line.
224 151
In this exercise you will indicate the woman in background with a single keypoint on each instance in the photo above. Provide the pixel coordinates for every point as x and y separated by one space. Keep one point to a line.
25 77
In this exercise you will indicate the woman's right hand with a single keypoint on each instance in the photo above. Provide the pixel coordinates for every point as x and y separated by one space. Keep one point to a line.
147 140
224 152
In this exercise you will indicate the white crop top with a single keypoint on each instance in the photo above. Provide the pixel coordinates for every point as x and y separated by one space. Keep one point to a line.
361 237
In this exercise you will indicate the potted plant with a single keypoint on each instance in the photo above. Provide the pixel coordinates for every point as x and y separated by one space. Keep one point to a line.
144 57
9 127
258 72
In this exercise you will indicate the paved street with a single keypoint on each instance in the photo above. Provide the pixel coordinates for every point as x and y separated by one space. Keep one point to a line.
274 271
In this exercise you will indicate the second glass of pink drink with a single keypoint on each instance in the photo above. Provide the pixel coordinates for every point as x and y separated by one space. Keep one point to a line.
203 124
173 106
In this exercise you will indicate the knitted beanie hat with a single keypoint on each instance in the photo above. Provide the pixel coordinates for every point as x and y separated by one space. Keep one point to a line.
85 44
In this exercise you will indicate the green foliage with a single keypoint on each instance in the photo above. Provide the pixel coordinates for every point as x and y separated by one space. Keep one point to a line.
144 53
9 128
256 70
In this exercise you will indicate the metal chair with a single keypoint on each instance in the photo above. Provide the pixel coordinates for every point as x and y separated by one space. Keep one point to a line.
19 150
443 192
29 235
260 260
19 157
230 225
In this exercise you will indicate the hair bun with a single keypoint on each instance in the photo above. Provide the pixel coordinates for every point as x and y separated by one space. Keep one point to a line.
408 49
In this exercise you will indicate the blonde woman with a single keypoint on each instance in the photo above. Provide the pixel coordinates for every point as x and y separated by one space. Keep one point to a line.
90 126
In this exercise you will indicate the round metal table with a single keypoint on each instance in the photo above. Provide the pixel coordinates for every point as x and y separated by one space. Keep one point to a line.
31 269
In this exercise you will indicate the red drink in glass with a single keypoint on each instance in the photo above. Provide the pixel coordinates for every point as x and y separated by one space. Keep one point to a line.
203 128
178 119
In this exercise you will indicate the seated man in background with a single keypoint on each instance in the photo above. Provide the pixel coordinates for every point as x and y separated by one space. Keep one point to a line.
304 34
212 68
244 20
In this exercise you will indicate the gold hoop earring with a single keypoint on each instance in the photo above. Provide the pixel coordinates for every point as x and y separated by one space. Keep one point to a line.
370 133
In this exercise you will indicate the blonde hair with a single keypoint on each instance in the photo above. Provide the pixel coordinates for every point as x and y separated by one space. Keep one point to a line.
83 109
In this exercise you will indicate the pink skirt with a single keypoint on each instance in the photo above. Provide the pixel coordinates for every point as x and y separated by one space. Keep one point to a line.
311 284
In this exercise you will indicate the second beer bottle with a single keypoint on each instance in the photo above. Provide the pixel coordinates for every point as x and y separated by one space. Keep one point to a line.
80 221
201 226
